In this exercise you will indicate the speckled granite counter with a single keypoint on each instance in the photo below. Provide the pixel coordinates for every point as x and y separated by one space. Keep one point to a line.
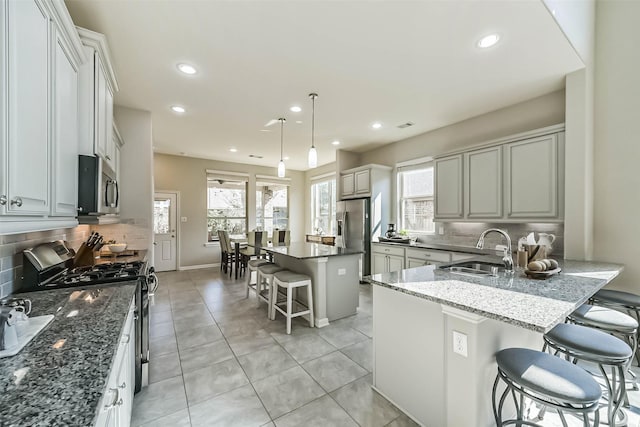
305 250
441 247
60 376
533 304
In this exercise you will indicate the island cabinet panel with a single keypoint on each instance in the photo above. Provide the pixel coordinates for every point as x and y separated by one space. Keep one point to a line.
532 178
448 187
483 183
26 167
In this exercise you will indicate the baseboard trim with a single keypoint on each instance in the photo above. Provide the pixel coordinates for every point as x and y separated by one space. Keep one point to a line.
197 267
321 323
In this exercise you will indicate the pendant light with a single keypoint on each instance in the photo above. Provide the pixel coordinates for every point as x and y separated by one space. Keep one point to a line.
281 169
313 154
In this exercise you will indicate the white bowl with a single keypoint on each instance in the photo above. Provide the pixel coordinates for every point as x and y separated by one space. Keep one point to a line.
117 247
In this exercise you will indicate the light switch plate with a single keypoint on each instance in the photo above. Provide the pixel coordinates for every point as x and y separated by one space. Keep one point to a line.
460 343
183 219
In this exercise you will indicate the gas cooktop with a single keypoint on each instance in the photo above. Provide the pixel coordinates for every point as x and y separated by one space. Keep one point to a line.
98 274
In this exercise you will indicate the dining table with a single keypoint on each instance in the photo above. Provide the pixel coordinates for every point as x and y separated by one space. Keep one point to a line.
239 241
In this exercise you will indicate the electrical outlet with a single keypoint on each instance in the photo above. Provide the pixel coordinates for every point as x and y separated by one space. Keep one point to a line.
441 230
342 271
183 219
460 343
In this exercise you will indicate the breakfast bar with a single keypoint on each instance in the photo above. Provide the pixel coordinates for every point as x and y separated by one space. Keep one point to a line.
334 274
452 326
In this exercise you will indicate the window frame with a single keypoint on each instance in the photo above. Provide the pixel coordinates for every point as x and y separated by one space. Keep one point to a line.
401 198
214 238
259 186
331 179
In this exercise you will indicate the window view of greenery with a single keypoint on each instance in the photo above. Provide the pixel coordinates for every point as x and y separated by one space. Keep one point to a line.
272 207
323 206
416 200
226 207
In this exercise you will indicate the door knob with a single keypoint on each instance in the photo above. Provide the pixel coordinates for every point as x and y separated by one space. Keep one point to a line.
155 243
173 236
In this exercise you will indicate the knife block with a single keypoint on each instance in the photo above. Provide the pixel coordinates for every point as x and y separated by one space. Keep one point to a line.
84 256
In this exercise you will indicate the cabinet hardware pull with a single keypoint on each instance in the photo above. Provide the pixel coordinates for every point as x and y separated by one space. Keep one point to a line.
17 201
123 385
3 200
108 157
126 338
114 402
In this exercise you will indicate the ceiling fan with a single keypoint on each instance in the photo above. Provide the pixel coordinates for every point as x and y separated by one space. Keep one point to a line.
271 122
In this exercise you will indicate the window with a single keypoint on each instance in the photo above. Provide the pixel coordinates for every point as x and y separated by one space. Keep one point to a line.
416 199
323 206
272 207
226 207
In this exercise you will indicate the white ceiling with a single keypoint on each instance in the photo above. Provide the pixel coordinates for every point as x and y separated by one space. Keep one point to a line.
387 61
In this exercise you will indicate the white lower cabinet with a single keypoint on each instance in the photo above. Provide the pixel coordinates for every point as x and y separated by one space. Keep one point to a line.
386 258
117 402
420 257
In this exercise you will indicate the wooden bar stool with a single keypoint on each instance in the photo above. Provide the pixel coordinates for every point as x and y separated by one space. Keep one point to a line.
290 281
264 279
252 266
545 379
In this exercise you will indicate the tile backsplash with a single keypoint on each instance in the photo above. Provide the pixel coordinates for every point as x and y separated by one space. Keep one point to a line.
11 247
136 233
466 234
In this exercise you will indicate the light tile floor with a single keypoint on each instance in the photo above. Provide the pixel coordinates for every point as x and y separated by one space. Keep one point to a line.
216 360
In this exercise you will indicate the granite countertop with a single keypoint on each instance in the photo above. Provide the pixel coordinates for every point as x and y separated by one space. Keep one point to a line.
61 375
516 299
307 250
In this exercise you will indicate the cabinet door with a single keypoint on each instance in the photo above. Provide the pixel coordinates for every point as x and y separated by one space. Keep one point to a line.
379 263
531 171
110 149
414 262
100 99
395 263
362 179
448 187
483 175
27 162
65 132
347 185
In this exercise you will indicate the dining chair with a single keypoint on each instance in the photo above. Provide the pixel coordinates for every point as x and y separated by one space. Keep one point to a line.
228 252
281 237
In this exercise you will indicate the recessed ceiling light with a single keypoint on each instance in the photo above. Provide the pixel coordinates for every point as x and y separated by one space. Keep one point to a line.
187 69
178 109
265 130
488 41
298 121
295 109
376 125
233 150
336 142
285 158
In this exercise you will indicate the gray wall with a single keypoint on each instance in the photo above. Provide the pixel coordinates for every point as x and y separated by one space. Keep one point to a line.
617 148
188 176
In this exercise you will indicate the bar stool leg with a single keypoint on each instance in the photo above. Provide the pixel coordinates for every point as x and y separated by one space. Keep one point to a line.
273 299
289 308
310 302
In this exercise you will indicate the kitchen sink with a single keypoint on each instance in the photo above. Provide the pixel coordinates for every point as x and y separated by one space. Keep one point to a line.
475 268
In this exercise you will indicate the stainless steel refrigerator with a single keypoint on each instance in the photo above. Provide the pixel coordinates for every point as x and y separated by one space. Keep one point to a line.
354 229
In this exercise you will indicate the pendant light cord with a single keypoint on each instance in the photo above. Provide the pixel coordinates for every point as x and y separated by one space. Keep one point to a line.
313 119
281 136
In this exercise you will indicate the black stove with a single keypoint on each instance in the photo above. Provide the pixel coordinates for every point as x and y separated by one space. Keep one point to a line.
98 274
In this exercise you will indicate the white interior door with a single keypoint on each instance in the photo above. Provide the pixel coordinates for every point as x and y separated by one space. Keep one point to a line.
164 229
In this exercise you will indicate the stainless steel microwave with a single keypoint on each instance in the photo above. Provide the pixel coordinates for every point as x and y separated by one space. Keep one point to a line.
98 191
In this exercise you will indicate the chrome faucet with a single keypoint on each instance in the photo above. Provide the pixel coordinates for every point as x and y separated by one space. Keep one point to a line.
507 259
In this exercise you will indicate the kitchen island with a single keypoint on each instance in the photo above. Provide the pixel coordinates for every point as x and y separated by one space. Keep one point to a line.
442 381
60 377
334 275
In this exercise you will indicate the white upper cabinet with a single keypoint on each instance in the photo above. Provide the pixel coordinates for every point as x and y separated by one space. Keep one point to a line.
65 131
363 181
532 185
348 185
97 87
516 179
483 179
25 174
39 58
448 187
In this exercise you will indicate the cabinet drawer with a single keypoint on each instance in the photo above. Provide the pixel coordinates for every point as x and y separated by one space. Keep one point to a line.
388 250
437 256
460 256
